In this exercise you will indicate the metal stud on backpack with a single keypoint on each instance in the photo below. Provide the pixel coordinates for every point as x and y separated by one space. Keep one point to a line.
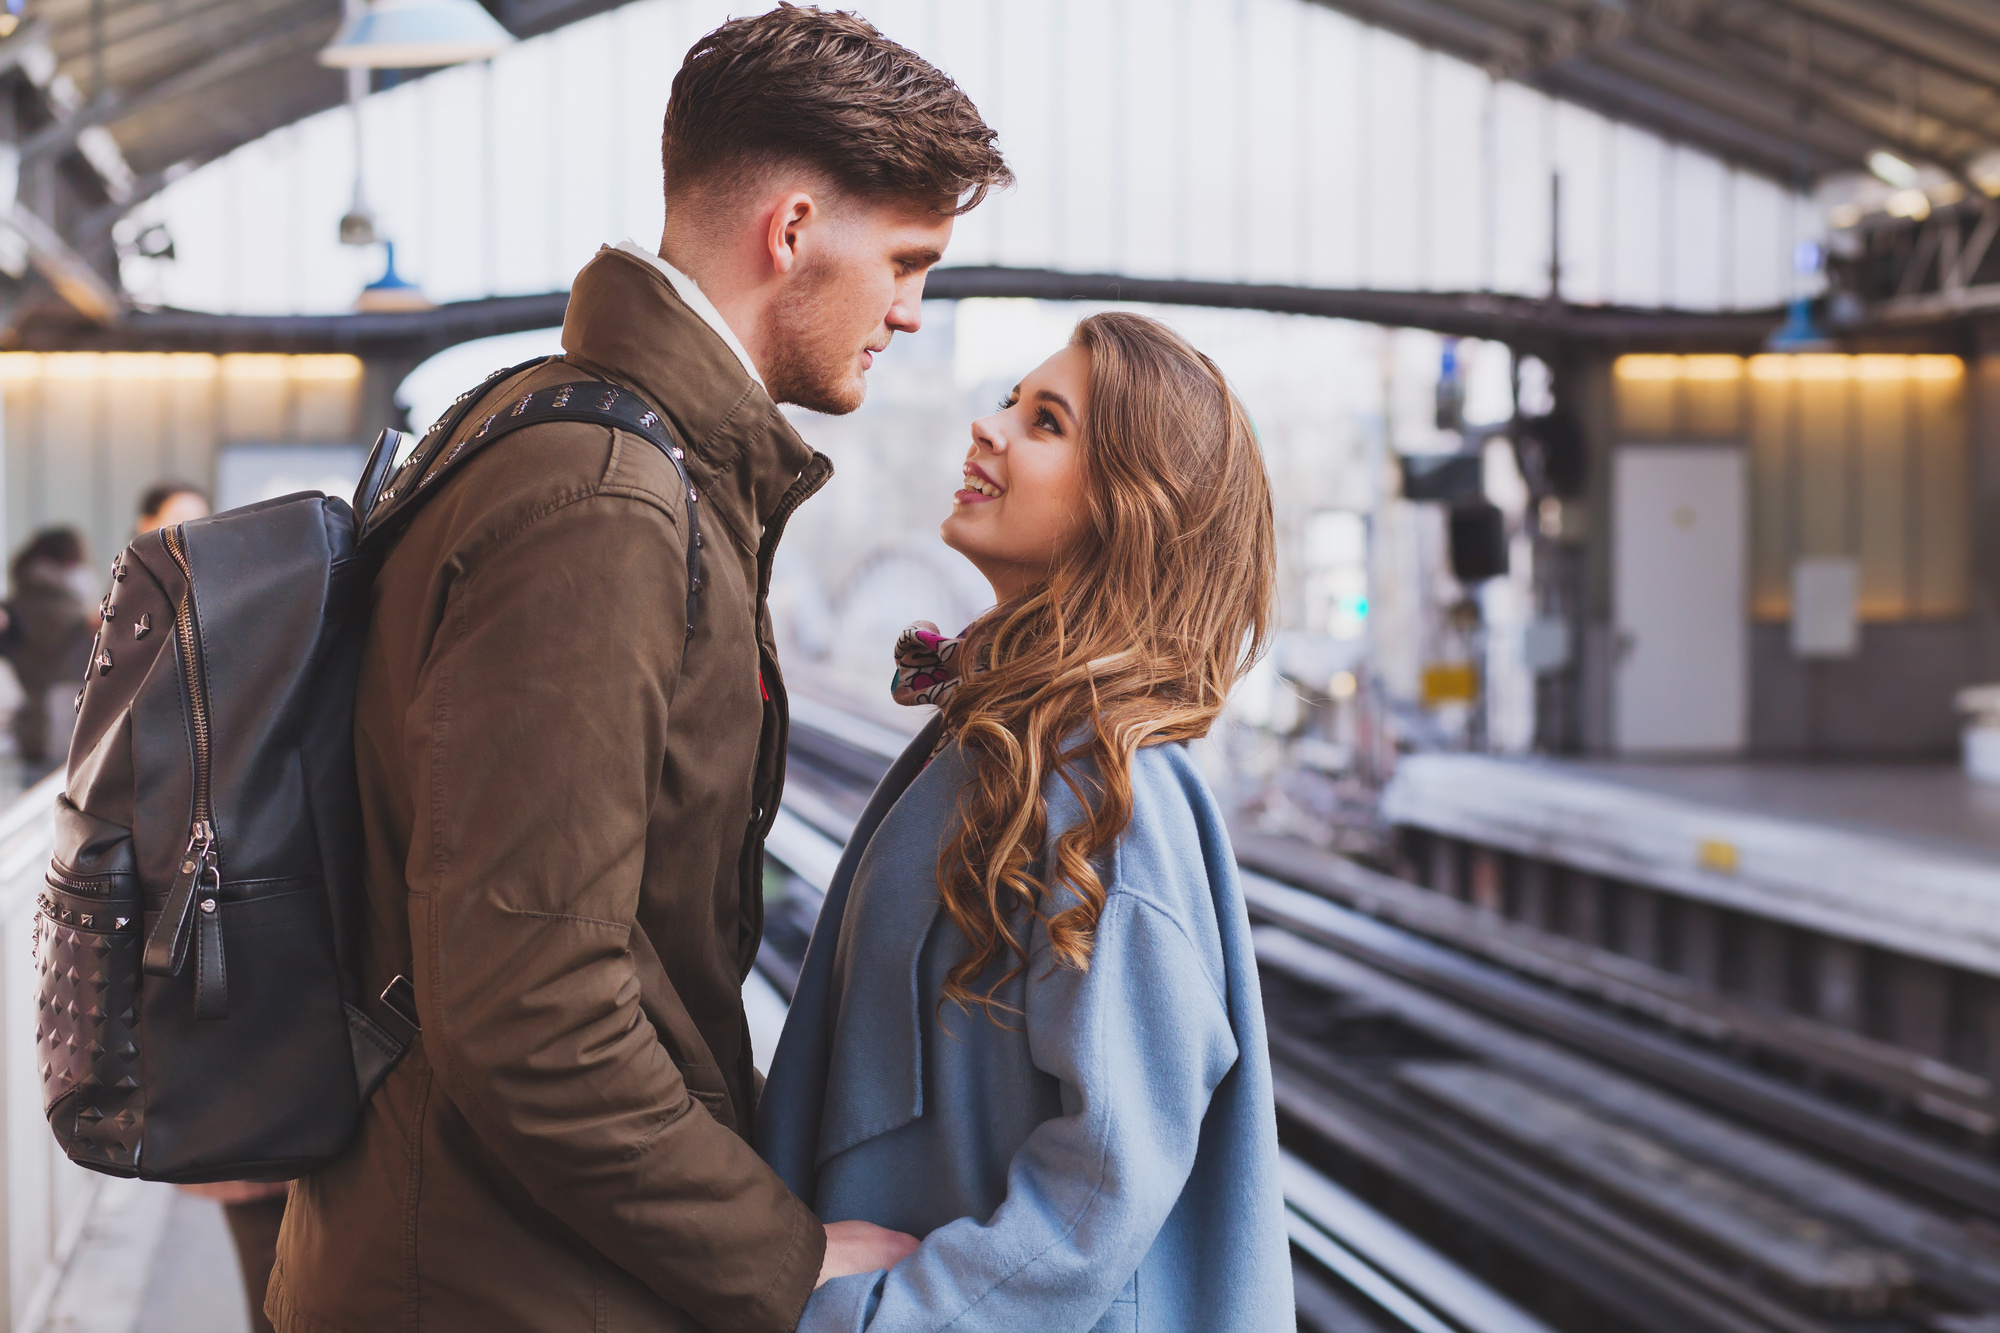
200 1015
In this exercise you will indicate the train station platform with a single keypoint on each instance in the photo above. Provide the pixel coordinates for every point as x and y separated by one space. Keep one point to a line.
1844 919
1892 855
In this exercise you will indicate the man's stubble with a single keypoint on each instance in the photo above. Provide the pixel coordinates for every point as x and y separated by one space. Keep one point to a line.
813 345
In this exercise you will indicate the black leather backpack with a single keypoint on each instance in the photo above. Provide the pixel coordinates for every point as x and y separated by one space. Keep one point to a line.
200 1009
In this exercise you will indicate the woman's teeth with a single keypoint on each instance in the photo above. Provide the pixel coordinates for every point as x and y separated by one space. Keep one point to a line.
974 482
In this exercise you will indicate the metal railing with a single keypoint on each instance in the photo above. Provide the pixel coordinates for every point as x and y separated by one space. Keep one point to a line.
48 1199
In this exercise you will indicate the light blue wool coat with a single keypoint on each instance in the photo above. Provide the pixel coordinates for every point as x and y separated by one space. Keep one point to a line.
1109 1161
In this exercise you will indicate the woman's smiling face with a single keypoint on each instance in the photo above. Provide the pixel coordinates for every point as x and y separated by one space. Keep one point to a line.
1021 503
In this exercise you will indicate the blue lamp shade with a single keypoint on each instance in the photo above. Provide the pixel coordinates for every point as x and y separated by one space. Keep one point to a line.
391 292
415 34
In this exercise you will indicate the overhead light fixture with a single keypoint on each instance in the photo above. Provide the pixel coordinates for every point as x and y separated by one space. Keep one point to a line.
415 34
1912 204
391 292
1889 168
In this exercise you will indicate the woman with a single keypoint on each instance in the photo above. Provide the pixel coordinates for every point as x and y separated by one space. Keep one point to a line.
51 617
1028 1029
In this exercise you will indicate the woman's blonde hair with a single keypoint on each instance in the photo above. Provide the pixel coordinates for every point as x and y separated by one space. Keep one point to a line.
1134 639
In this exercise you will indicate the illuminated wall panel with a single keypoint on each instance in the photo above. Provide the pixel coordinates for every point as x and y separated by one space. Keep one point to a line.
87 433
1858 456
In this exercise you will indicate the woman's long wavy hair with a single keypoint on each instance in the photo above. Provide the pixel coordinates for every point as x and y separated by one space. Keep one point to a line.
1134 638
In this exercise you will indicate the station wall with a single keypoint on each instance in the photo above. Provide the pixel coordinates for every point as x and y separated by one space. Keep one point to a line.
87 433
1866 458
1270 141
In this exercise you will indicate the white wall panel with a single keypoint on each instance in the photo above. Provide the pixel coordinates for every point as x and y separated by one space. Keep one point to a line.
1639 234
1579 152
1521 190
1274 143
1094 71
1698 231
1264 140
1211 140
1455 194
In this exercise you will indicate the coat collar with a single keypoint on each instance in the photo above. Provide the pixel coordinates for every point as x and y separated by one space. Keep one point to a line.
626 320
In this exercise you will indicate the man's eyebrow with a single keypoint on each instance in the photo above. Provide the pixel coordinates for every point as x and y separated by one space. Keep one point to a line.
923 258
1051 396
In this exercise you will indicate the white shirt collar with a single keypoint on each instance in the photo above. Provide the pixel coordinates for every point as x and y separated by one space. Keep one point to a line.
690 292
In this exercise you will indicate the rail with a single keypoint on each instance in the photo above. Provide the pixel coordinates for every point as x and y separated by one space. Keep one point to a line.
48 1199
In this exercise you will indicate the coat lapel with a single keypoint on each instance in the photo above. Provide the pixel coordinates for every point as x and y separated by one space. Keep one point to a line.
789 1137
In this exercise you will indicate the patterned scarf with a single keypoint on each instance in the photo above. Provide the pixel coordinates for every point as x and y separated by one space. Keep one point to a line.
926 665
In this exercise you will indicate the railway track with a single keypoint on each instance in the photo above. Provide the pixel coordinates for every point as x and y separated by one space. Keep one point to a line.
1474 1148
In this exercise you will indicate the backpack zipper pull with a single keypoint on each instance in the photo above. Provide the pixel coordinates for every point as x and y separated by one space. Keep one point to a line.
167 946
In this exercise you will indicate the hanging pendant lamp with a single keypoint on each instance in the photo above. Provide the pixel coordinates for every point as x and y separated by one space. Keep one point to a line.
415 34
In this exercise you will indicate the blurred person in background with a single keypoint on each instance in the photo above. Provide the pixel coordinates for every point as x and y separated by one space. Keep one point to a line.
254 1209
51 616
169 502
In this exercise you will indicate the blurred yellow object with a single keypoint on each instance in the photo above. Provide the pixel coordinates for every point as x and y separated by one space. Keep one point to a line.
1718 856
1448 683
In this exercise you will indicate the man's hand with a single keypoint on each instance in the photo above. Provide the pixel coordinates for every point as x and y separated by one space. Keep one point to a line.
862 1247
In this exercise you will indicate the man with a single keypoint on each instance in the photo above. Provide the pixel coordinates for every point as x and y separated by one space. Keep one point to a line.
166 503
566 787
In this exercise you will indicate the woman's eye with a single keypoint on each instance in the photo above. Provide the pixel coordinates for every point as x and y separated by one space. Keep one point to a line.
1046 420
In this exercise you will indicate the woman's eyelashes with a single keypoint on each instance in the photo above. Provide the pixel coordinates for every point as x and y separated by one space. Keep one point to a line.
1044 419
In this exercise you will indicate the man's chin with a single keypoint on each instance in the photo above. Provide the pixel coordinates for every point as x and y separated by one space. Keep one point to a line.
833 399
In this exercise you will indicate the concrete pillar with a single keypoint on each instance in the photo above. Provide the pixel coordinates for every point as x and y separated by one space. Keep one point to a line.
381 376
1983 456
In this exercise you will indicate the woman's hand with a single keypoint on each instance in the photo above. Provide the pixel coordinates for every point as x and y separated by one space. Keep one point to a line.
862 1247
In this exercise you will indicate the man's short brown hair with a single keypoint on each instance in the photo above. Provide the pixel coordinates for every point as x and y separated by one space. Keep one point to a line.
826 90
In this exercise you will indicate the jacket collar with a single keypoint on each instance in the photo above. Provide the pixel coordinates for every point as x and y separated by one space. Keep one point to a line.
696 300
626 320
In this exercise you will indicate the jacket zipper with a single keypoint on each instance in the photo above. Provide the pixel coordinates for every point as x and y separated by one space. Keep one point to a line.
197 871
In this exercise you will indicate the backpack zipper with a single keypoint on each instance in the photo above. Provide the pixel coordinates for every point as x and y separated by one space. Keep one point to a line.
198 881
189 634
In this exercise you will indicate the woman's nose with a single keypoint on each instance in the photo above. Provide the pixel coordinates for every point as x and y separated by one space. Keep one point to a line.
985 432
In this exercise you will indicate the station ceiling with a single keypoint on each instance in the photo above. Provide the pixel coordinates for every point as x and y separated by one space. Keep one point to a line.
1791 88
1795 89
184 81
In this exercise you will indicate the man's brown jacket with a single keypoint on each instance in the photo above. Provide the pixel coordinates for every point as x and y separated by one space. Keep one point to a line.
565 796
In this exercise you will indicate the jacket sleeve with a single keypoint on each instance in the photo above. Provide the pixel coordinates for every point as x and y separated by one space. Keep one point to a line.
1139 1043
537 747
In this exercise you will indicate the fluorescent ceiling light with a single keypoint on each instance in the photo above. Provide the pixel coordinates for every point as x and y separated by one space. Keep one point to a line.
415 34
1883 163
1912 204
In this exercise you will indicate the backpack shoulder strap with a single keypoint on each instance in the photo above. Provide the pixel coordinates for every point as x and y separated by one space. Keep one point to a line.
583 400
382 458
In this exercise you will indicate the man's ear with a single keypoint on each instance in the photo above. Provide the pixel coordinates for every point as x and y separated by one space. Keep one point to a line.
791 213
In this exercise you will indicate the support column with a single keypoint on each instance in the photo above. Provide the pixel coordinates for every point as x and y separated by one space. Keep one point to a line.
1982 393
381 376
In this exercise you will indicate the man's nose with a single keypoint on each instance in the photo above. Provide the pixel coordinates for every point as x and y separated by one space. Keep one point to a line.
906 312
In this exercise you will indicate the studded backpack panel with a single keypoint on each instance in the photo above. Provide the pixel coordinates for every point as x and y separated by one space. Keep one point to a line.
200 1016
